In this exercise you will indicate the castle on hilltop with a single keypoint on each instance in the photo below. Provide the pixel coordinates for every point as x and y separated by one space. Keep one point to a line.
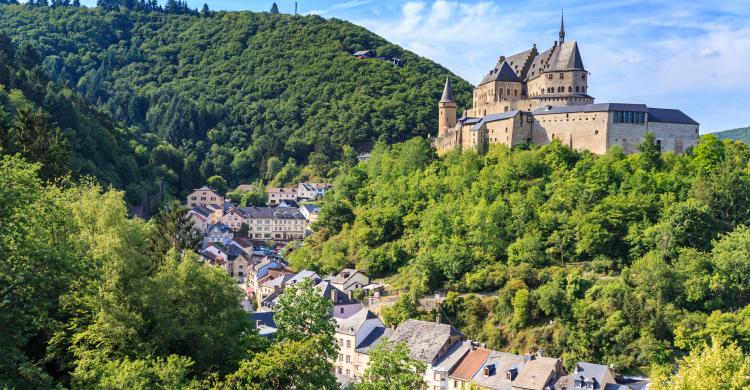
534 97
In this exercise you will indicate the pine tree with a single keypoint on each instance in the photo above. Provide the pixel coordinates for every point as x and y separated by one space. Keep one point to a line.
76 3
205 11
274 8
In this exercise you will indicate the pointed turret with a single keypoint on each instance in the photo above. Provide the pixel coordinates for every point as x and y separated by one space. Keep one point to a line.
446 109
447 92
562 27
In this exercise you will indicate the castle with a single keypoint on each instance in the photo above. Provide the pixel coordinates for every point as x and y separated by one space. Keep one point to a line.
534 97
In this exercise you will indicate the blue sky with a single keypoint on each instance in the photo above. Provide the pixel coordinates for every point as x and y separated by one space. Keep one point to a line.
694 56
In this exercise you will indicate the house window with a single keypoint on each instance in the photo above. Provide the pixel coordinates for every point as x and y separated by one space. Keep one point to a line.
348 372
658 144
348 359
348 344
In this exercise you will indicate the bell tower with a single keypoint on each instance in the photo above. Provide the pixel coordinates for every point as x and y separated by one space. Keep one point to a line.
446 109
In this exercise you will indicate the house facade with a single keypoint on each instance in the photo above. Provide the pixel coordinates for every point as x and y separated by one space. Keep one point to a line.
277 194
204 196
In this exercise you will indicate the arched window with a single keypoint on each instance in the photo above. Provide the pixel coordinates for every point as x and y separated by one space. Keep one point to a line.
570 89
577 89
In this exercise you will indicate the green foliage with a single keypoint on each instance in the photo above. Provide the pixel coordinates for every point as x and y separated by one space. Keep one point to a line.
237 92
392 367
302 313
288 364
218 183
713 367
173 229
593 258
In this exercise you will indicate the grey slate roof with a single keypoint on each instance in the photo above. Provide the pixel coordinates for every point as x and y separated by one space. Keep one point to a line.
447 92
377 334
257 212
325 288
566 56
498 364
494 117
344 276
598 107
305 274
453 356
424 339
353 323
502 72
667 115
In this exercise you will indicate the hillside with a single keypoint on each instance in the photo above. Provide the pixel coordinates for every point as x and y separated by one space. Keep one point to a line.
741 134
626 260
236 94
48 123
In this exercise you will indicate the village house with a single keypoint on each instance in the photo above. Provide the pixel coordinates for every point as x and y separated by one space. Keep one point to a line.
312 191
310 211
219 233
277 194
268 223
264 323
204 196
354 333
429 342
461 375
539 373
499 371
199 216
349 280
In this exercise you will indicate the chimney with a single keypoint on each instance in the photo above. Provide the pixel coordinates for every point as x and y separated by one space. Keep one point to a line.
349 294
333 295
502 58
486 371
437 317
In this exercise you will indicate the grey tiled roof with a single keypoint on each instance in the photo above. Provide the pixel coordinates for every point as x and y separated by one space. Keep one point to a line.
502 72
497 365
424 339
353 323
494 117
377 334
452 356
598 107
669 116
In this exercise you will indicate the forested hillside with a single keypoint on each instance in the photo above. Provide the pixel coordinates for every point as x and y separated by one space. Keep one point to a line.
625 260
235 94
741 134
48 123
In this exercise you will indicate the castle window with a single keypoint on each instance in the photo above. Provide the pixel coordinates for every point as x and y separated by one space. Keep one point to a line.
562 76
549 76
583 76
596 132
570 89
577 88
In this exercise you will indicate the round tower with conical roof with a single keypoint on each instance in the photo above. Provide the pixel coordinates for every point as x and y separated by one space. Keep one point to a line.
446 109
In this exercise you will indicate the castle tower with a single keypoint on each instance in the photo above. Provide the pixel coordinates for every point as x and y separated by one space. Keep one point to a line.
446 109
